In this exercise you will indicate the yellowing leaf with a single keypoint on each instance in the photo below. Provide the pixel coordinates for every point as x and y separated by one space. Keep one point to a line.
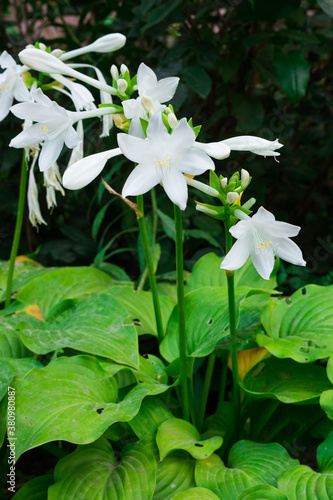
247 359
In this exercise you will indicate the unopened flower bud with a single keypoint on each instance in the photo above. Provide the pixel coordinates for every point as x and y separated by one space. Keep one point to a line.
134 88
148 104
205 210
57 52
123 69
172 120
232 197
201 186
30 46
122 86
167 111
114 72
104 44
245 177
249 203
42 46
224 182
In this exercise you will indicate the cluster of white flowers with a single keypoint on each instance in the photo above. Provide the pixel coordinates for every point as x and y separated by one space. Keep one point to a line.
164 148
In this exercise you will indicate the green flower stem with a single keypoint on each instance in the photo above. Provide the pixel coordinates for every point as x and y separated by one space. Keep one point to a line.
18 229
233 333
144 275
223 382
151 271
193 411
205 390
181 313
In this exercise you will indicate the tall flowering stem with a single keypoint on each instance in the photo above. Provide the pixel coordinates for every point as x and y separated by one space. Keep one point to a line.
18 229
181 313
233 332
150 267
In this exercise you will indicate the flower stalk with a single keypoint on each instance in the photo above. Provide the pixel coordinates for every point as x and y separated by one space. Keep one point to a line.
150 267
18 229
181 313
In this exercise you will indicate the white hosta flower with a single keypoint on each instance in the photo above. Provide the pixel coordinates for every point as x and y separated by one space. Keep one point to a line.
256 145
81 96
52 182
217 150
104 44
35 215
81 173
11 84
262 237
77 152
163 158
148 86
53 127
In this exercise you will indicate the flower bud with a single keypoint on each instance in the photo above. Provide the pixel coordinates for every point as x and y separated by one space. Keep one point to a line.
42 46
224 182
30 46
249 203
57 52
172 120
105 44
148 104
245 177
201 186
205 210
123 69
122 86
114 72
232 197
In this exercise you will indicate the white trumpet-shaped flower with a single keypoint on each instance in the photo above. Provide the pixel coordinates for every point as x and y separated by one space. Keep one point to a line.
11 84
52 182
262 237
104 44
256 145
159 91
163 158
35 215
53 127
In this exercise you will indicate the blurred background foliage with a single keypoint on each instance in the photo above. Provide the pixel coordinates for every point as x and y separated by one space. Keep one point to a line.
247 67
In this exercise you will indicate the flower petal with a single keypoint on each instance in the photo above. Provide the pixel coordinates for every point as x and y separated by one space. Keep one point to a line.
175 186
144 177
50 152
263 261
183 135
6 60
238 254
218 150
157 135
263 215
250 143
23 140
21 93
146 79
193 162
134 148
287 250
242 228
165 89
72 138
131 108
84 171
6 100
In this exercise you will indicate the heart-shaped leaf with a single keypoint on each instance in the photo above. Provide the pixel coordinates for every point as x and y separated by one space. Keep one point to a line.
177 434
35 489
196 494
72 399
262 491
174 474
93 471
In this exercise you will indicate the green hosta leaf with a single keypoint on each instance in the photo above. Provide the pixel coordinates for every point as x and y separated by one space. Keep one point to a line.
250 464
326 399
207 272
153 412
168 225
139 305
300 327
152 373
94 325
93 471
196 493
325 454
174 474
177 434
65 283
293 72
35 489
262 491
198 80
303 482
72 399
9 368
286 380
11 345
220 422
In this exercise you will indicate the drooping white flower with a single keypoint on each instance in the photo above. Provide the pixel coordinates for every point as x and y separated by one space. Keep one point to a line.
256 145
159 91
81 173
35 215
52 182
11 84
80 95
53 127
163 158
262 237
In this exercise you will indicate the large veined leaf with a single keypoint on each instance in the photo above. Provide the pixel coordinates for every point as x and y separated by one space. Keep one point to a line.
195 494
300 327
178 434
35 489
303 482
326 399
93 471
139 305
174 474
153 412
11 345
72 399
262 491
207 272
94 325
11 367
250 464
66 283
286 380
219 423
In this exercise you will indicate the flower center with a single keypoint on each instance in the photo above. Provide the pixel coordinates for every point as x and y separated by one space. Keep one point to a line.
5 87
165 163
260 246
